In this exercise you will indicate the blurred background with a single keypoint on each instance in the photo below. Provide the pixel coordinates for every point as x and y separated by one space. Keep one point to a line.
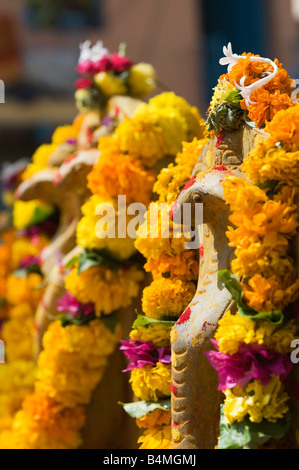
182 39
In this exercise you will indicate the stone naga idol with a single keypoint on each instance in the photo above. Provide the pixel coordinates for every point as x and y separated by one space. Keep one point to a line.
196 402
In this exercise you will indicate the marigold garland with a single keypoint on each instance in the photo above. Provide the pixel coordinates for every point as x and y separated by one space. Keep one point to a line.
264 214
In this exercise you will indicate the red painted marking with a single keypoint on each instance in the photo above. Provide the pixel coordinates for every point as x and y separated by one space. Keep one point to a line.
57 179
189 183
206 323
185 316
172 210
70 158
220 138
220 168
173 388
175 425
201 250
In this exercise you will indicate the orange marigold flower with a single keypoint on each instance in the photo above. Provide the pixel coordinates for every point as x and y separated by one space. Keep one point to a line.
116 173
267 105
284 128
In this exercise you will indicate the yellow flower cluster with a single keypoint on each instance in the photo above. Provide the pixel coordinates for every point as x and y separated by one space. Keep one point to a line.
150 383
157 434
159 128
265 219
69 367
100 226
116 173
167 297
156 333
106 288
257 401
24 213
233 330
16 382
41 156
264 227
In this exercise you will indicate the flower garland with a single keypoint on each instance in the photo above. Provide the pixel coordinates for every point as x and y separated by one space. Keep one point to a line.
231 106
105 75
254 345
175 272
21 292
102 279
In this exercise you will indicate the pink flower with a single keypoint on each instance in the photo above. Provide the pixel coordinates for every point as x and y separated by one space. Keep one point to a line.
68 304
29 261
252 361
83 83
143 353
92 67
120 63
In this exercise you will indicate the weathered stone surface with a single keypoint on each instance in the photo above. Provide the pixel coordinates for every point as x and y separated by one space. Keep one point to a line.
196 401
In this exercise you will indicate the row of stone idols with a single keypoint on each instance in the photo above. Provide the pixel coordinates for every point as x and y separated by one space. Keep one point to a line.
196 405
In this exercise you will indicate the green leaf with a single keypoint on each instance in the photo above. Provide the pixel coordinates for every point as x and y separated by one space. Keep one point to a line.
234 96
141 320
40 214
250 435
71 263
67 319
140 408
236 291
110 321
88 259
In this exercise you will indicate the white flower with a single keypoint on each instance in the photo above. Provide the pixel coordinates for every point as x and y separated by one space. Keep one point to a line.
92 53
231 59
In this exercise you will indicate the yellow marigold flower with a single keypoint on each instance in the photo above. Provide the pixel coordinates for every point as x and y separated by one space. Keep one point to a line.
221 91
284 127
185 266
116 173
142 136
167 297
63 133
193 120
151 382
39 160
256 400
155 237
233 330
24 247
260 258
109 84
264 163
73 360
172 179
16 382
157 437
24 212
142 79
107 289
24 290
44 424
18 338
95 233
274 293
156 333
156 417
241 194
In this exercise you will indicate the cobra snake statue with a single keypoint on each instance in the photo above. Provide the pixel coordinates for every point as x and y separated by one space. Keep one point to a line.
196 402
